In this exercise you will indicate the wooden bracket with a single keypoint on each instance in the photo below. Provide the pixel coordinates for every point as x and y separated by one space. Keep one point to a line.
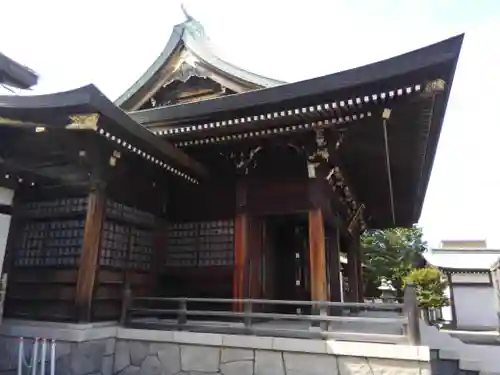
243 161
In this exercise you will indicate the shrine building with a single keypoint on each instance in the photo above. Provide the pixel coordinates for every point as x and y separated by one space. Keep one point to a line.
206 180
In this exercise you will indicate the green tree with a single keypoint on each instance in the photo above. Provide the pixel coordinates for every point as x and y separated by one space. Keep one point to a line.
430 287
390 254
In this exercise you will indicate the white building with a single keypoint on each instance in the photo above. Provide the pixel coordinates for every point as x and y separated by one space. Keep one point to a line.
467 266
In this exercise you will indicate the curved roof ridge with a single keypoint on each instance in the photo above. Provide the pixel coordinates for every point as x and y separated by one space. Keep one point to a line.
205 51
191 35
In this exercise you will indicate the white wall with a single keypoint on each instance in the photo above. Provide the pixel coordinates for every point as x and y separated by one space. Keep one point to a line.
475 307
4 232
6 197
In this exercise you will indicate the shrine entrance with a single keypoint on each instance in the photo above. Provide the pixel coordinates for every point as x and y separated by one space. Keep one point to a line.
286 275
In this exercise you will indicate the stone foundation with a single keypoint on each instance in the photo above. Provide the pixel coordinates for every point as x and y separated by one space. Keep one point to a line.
111 350
94 357
137 358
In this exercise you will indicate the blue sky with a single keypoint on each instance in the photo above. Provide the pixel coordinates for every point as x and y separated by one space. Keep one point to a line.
110 43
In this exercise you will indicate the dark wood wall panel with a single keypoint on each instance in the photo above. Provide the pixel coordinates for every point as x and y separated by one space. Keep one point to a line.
201 202
197 282
46 294
277 197
43 253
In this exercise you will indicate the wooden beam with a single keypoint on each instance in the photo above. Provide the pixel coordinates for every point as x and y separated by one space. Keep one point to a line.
90 251
317 256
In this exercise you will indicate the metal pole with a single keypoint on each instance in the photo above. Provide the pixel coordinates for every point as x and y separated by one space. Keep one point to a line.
389 174
52 358
412 313
34 357
44 357
20 355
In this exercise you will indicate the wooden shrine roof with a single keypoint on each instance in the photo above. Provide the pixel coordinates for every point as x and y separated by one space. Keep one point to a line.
16 75
87 109
415 86
189 53
437 59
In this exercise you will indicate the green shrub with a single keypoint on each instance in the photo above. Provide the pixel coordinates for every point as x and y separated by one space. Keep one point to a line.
430 286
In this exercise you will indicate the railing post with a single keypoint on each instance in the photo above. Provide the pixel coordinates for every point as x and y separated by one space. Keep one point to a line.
247 318
182 316
126 303
412 314
3 292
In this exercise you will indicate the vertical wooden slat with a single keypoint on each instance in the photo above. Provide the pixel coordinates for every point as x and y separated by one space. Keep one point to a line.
90 251
317 256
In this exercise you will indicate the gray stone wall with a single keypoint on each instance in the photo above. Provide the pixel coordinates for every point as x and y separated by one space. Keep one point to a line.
84 358
129 357
444 366
141 358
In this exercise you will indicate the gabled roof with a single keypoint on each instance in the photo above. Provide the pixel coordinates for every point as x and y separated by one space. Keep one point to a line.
16 75
56 111
187 53
436 60
415 85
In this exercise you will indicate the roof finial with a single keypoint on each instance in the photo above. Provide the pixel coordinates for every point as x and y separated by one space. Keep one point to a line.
186 14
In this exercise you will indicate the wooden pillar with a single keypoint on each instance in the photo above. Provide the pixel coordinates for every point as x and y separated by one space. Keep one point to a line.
255 230
90 251
355 275
334 266
359 266
240 274
240 257
317 256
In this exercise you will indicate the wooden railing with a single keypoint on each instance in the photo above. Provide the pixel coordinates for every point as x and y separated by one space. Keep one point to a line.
215 315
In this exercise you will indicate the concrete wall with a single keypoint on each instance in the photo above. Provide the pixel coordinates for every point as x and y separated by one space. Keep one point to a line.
476 307
110 350
471 357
